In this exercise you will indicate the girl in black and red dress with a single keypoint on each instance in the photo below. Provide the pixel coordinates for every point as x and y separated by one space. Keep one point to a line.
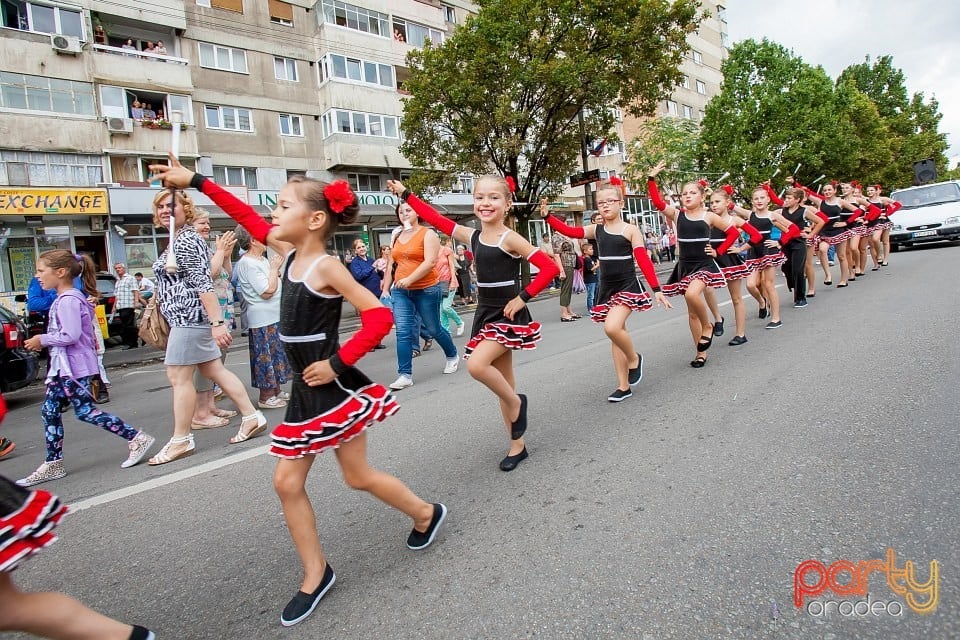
836 232
620 292
763 259
331 403
809 221
879 226
502 322
696 269
733 267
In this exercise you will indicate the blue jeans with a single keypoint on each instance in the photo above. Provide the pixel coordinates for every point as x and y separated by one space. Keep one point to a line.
591 294
832 254
407 304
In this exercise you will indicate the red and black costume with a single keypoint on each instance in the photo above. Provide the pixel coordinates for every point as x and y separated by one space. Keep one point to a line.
693 263
761 256
732 265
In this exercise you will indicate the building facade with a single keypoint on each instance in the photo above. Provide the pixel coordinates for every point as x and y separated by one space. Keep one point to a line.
90 91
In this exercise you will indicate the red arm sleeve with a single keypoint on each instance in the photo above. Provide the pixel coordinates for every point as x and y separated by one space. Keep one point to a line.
774 198
375 325
791 233
548 271
893 207
755 237
235 208
654 192
429 214
856 216
561 227
823 216
873 212
732 235
643 261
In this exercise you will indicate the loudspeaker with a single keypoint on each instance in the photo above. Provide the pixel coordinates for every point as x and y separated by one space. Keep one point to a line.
925 171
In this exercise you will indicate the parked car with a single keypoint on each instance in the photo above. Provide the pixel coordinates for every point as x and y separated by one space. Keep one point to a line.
106 285
18 367
931 213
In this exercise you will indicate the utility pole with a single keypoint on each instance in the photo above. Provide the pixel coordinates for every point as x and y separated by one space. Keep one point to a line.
587 191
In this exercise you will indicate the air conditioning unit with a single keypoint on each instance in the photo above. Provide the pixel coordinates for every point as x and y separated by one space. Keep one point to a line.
65 44
120 125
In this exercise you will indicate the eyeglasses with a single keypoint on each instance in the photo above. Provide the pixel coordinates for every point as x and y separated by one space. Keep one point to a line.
608 203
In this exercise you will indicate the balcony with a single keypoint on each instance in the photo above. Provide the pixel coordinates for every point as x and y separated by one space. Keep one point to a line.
115 65
155 142
345 150
164 13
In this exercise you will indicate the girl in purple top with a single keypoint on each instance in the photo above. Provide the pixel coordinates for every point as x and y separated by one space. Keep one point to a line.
73 360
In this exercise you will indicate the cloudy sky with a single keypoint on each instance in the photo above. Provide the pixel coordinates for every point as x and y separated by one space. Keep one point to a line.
923 36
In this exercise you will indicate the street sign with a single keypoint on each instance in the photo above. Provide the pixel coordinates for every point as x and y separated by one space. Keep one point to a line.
580 179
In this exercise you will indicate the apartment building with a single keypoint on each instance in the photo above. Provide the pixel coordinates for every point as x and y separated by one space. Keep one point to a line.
264 89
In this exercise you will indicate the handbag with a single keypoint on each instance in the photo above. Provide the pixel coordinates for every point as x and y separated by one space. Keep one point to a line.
578 284
154 328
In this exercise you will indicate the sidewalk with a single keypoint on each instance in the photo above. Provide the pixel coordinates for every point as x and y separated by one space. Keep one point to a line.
116 357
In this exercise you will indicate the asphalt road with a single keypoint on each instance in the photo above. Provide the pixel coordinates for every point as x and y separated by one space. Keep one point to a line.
682 512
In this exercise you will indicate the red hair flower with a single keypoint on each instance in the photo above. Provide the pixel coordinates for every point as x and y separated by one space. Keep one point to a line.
615 181
728 188
855 184
339 196
511 184
703 183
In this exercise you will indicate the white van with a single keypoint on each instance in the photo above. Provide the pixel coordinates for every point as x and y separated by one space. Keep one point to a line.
931 213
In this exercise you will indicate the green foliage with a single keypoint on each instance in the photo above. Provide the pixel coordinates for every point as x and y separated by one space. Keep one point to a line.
673 141
503 93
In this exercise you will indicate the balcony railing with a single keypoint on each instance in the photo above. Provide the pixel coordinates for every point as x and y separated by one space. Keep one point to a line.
145 55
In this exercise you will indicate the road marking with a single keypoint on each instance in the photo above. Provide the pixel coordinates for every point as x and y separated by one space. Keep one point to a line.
154 483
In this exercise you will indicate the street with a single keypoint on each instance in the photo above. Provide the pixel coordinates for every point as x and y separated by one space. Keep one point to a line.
682 512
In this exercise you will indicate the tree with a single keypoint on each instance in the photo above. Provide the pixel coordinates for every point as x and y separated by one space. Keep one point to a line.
873 153
912 122
673 141
774 112
504 92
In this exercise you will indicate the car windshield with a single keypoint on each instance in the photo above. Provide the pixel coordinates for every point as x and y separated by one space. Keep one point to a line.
926 196
105 286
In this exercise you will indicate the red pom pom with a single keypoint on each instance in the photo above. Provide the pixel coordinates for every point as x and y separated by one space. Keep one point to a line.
728 188
511 184
339 196
615 181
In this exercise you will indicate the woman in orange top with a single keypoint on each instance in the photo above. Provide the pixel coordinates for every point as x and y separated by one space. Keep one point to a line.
415 288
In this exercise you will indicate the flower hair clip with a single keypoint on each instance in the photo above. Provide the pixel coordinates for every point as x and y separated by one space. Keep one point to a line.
511 183
339 196
728 188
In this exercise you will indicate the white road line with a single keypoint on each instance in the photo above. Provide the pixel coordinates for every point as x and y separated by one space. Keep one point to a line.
126 492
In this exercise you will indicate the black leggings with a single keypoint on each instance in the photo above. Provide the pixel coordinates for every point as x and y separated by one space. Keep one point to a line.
793 269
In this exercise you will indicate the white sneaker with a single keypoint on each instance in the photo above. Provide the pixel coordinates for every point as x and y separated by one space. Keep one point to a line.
460 328
138 448
452 365
45 472
402 382
274 402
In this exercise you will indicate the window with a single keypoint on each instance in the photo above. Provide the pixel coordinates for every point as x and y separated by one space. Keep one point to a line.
364 181
213 56
36 93
722 13
685 82
688 112
336 66
235 176
355 122
43 18
701 87
672 108
285 69
229 5
118 102
724 39
617 114
701 114
183 104
449 14
291 125
415 34
353 17
30 168
203 3
697 57
228 118
281 13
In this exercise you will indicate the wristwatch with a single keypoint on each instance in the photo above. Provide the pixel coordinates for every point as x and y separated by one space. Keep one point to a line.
217 323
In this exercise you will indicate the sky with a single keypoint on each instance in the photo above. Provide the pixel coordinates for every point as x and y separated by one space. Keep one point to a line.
922 36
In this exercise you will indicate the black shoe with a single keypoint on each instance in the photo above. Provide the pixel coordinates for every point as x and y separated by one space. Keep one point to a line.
763 312
774 325
619 395
510 462
421 539
636 374
303 604
737 341
102 398
718 328
141 633
519 426
842 285
380 346
799 304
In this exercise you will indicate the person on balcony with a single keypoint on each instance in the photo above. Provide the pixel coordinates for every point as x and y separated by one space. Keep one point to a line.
129 46
136 110
148 112
150 48
160 49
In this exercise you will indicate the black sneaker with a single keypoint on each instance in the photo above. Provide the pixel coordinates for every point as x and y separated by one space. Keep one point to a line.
635 375
763 312
774 325
718 328
737 341
519 427
619 395
303 604
800 304
141 633
421 540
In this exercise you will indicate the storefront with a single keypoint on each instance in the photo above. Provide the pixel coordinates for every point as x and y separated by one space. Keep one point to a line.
36 220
